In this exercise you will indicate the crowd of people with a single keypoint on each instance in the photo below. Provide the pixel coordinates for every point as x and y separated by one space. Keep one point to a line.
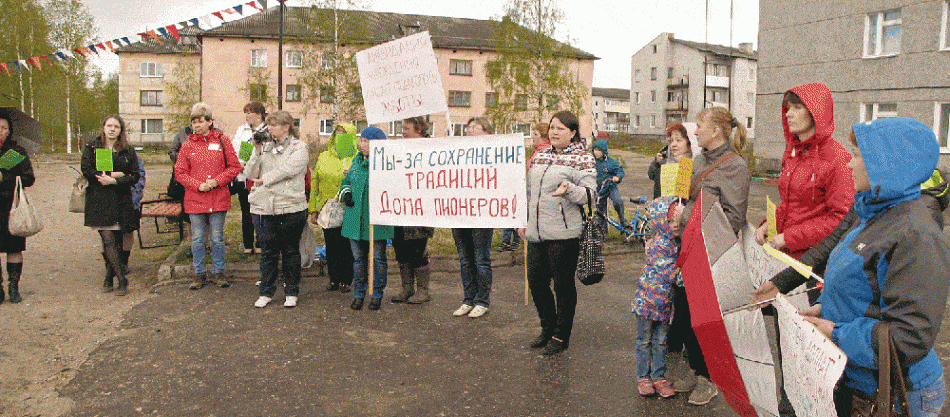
870 222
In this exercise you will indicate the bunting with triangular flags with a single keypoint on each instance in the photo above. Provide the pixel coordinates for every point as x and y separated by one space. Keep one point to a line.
239 9
195 21
154 35
79 51
87 50
101 47
254 5
5 67
126 40
45 58
15 65
110 46
62 56
93 48
23 64
263 3
163 32
173 31
36 62
218 15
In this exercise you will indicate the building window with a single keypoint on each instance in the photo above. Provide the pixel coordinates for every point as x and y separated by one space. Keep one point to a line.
654 49
882 33
670 97
669 72
294 59
151 69
258 92
460 99
458 129
360 125
942 123
326 60
717 95
491 99
874 111
326 126
652 120
751 74
653 73
460 67
395 128
150 98
750 98
945 27
552 101
636 76
293 93
748 123
523 128
653 96
151 126
327 94
636 97
259 58
521 101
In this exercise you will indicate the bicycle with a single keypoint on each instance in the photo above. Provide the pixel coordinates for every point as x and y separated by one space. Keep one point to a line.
638 229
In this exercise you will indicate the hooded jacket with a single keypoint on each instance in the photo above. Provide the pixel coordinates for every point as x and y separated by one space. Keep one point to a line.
654 297
890 267
729 182
279 174
205 157
331 167
607 168
356 218
815 186
559 218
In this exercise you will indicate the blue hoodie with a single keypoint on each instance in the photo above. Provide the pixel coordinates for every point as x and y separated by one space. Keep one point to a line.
607 167
898 249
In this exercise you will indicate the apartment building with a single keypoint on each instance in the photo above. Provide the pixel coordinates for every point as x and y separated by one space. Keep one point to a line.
879 58
611 110
147 70
673 79
239 62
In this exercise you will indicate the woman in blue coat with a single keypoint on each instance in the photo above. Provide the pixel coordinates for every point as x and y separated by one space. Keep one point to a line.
890 268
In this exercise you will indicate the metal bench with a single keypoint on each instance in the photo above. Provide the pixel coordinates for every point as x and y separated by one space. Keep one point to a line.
167 209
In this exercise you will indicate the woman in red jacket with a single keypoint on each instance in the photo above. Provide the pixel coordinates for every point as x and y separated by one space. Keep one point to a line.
206 164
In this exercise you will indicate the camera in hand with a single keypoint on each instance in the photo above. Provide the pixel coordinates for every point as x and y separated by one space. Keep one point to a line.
262 136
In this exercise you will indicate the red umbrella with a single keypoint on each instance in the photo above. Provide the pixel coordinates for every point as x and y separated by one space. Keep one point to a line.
716 276
25 129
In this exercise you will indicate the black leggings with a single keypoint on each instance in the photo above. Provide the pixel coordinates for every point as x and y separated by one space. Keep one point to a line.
111 245
696 360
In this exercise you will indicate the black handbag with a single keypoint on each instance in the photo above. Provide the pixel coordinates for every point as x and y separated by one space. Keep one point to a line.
591 266
175 190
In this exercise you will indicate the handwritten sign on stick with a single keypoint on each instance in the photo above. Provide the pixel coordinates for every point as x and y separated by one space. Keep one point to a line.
668 179
683 177
811 363
400 79
472 181
770 217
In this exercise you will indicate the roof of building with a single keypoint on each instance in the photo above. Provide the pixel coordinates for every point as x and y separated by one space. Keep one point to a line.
446 32
718 49
167 46
617 93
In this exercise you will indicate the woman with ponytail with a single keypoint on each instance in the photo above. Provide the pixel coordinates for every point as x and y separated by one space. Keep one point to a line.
723 173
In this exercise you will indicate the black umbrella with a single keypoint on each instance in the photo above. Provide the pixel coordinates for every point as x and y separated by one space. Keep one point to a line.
25 130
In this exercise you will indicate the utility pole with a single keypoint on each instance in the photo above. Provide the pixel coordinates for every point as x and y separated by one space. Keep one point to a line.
280 58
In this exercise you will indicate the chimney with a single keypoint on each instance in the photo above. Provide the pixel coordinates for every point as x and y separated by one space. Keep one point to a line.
746 47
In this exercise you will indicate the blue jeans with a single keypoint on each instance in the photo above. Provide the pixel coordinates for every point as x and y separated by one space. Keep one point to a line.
279 237
927 401
615 197
510 236
651 348
199 230
474 248
360 250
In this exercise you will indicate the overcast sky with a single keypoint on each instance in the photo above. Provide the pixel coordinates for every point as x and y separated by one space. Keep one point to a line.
610 29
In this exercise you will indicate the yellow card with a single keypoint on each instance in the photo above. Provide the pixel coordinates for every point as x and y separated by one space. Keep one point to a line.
782 256
668 179
683 177
770 217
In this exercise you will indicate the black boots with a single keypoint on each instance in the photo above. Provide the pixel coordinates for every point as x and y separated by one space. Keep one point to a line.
13 286
110 274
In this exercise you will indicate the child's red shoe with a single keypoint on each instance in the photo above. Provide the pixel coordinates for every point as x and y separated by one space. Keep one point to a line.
664 388
645 386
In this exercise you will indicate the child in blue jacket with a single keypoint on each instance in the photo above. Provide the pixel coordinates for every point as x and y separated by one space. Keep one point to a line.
609 173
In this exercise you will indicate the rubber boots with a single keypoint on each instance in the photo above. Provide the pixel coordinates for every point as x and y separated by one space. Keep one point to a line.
13 286
107 282
422 289
2 295
124 256
408 284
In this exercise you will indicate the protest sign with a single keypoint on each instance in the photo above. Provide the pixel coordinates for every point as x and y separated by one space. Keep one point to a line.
811 363
675 178
803 269
770 217
103 160
11 159
471 181
400 79
763 266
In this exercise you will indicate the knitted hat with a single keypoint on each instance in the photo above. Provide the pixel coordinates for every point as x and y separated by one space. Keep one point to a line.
372 133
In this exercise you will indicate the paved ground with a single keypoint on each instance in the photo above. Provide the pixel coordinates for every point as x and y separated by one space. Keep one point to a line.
67 350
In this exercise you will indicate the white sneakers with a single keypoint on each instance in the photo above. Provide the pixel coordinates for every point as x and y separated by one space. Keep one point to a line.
463 310
290 301
478 311
262 302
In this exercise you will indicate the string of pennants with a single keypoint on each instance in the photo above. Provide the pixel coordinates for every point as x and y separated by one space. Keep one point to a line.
167 32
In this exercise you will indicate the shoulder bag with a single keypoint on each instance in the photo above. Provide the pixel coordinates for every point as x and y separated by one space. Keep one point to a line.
77 198
23 219
331 216
591 265
890 382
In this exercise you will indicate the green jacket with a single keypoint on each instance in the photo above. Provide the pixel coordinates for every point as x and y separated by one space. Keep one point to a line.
356 218
330 167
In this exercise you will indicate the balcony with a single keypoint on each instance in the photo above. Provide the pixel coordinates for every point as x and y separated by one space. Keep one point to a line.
676 107
677 82
714 81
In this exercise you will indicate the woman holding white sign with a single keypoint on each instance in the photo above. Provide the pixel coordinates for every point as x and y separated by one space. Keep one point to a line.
562 179
474 247
409 242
